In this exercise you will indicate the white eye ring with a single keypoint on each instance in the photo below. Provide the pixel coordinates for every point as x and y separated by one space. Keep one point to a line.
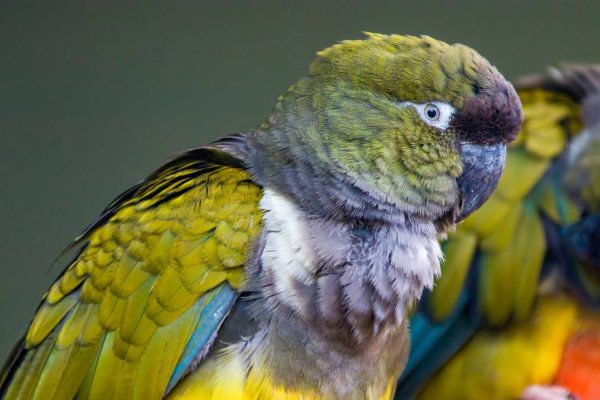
434 113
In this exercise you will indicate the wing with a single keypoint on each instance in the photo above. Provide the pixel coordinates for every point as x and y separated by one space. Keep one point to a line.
156 276
494 260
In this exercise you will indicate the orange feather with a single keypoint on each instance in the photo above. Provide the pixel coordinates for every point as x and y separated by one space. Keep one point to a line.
580 367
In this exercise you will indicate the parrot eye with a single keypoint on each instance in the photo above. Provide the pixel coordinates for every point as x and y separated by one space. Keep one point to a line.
432 112
436 114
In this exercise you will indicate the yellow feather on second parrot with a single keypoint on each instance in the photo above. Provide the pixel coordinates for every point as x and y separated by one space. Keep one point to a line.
500 364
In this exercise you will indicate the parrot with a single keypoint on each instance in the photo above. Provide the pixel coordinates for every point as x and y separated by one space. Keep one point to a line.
516 311
280 262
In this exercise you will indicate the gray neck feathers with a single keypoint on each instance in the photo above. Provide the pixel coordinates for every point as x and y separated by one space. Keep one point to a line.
347 281
345 261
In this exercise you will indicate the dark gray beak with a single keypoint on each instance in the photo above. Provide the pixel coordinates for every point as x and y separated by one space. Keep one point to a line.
483 165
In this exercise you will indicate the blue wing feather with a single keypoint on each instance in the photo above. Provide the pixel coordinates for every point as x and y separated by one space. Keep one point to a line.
217 304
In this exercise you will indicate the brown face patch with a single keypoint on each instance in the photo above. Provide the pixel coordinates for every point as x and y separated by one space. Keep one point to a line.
492 116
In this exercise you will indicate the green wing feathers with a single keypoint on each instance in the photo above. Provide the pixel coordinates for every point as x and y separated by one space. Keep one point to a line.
116 322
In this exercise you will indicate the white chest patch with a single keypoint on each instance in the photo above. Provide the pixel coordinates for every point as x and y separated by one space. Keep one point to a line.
287 252
389 259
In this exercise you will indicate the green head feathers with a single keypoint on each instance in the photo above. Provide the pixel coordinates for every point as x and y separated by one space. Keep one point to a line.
391 116
418 69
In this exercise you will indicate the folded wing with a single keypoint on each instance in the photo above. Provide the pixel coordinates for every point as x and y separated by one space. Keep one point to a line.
156 276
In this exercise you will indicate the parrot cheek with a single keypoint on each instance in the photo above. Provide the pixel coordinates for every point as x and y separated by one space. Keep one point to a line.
483 165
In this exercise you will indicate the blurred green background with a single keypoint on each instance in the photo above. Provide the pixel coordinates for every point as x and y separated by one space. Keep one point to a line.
95 94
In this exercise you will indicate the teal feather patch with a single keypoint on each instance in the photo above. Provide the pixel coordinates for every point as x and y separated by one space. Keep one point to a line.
217 304
433 344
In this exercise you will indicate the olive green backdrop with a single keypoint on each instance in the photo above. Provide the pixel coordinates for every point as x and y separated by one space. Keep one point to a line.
94 95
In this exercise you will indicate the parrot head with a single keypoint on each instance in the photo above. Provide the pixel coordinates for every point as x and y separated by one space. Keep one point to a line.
417 126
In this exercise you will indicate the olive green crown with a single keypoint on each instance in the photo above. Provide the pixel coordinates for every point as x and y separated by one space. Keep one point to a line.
416 68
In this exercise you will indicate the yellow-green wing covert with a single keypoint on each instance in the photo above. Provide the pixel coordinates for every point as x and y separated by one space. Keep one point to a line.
156 276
